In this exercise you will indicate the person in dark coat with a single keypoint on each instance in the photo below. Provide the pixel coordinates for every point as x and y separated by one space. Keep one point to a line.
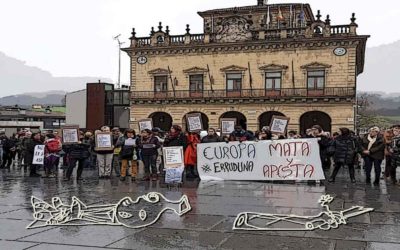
394 149
211 137
9 149
373 150
149 145
128 154
36 139
175 138
323 142
78 153
239 134
344 148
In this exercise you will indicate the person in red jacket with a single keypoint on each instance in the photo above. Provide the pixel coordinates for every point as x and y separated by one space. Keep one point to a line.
191 155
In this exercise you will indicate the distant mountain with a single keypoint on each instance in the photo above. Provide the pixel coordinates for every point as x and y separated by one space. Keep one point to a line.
381 68
54 98
17 77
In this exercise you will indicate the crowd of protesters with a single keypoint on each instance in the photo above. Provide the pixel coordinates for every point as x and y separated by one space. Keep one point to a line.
342 149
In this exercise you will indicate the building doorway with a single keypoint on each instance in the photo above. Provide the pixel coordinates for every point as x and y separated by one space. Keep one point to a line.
265 118
240 118
309 119
161 120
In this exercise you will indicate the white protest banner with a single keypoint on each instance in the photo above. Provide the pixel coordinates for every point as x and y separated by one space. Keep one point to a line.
103 141
70 134
256 161
38 155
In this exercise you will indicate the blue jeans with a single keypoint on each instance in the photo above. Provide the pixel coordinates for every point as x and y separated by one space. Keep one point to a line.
368 162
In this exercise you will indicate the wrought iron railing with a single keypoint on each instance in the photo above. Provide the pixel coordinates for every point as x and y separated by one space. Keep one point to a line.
246 93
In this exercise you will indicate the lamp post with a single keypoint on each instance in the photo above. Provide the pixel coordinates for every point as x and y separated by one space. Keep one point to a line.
119 59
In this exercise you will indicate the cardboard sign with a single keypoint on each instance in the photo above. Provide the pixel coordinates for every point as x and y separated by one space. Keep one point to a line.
70 134
104 141
279 124
173 164
194 122
38 155
173 157
260 161
228 125
145 124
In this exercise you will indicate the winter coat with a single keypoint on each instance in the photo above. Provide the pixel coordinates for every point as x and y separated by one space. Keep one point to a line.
377 151
395 149
242 135
180 140
323 143
191 150
344 149
211 139
30 149
149 146
78 151
127 151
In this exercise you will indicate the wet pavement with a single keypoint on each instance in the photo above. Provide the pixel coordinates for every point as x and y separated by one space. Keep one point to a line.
209 224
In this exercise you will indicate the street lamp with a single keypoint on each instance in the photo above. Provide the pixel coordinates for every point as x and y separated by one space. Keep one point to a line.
119 59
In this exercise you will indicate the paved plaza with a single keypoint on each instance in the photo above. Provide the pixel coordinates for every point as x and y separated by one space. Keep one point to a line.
209 224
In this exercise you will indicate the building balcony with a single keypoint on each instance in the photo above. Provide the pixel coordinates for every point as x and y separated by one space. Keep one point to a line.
245 94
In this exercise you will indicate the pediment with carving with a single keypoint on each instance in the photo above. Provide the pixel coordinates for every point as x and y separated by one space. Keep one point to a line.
159 71
233 29
233 68
195 70
273 67
316 65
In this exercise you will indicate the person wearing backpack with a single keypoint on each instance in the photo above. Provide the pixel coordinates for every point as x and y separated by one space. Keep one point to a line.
344 148
52 149
128 145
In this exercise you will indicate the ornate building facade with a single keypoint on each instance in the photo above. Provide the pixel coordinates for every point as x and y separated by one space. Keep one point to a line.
250 63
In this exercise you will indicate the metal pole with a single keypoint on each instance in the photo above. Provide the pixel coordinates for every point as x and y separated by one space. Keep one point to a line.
119 60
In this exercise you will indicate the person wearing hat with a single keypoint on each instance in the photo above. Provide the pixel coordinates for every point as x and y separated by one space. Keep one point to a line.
373 151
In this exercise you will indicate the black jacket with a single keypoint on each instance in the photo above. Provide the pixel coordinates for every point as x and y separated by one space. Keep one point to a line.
344 149
149 146
78 150
30 149
377 151
180 140
211 139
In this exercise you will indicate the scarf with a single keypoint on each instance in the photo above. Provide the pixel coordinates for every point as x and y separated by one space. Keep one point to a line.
173 135
371 141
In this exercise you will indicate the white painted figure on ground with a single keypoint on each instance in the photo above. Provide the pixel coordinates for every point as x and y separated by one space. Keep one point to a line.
325 220
143 212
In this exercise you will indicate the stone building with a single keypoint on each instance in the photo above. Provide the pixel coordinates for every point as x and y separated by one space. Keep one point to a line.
250 63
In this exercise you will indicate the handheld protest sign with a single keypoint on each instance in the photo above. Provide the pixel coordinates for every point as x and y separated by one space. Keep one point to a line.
103 141
146 124
70 134
227 125
279 124
174 164
194 122
38 155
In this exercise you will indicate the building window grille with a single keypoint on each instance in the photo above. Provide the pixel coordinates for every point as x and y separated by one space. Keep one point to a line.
160 83
316 80
273 80
196 83
234 81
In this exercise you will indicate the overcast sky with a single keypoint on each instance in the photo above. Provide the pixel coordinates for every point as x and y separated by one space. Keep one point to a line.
75 37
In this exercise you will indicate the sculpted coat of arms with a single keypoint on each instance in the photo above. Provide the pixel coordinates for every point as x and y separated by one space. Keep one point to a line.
233 29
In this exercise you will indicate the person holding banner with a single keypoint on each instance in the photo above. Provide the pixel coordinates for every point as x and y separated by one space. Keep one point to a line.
149 144
175 138
104 157
240 135
128 145
211 137
36 139
191 155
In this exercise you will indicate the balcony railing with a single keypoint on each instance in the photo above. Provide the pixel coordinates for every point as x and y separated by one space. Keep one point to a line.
245 93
